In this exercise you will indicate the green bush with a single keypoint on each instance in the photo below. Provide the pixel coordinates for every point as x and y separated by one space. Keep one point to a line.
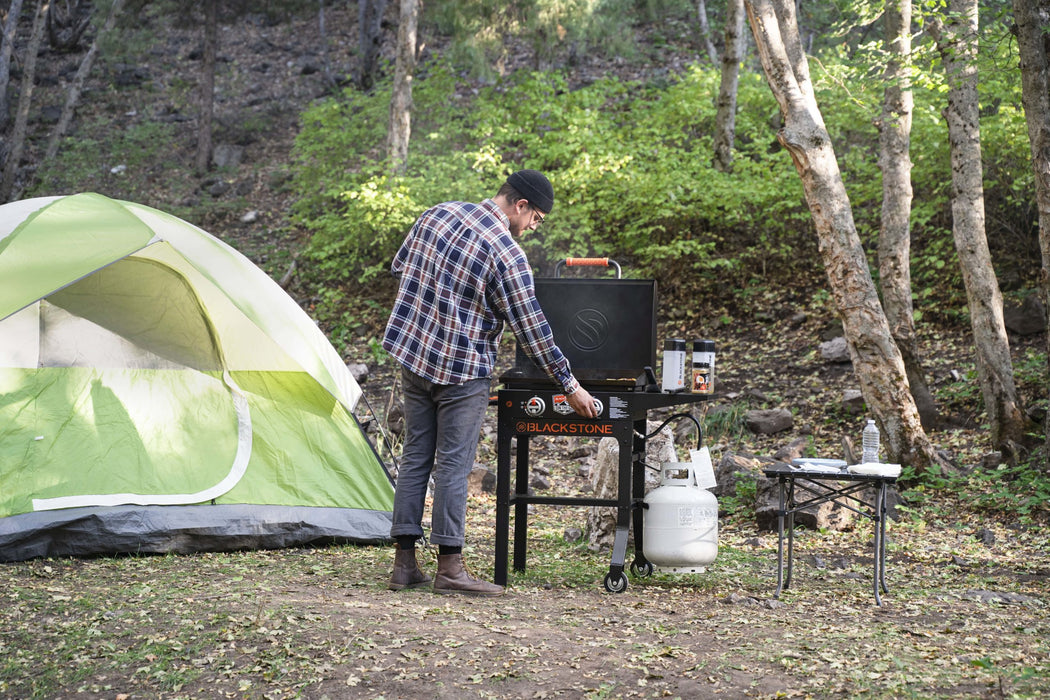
631 165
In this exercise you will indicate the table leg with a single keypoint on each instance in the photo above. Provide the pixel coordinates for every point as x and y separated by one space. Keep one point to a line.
780 541
791 531
882 538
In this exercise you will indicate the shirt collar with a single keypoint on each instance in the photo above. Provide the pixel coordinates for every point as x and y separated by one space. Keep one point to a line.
491 205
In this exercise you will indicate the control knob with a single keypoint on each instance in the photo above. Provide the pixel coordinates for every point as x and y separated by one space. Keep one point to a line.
535 406
598 407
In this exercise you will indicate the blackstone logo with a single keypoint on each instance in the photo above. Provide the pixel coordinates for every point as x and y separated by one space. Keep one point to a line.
559 428
590 330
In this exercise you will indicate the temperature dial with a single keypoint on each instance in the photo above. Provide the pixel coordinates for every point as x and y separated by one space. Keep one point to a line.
598 407
535 406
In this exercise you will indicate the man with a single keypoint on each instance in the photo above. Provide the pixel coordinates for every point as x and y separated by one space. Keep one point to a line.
462 276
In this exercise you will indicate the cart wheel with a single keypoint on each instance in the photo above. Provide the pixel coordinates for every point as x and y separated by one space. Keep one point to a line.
615 583
642 571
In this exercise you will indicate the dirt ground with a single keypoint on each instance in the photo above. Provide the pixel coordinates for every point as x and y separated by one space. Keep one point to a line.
963 618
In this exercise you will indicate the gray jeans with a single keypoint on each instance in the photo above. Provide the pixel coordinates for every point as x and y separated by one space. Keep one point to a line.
442 424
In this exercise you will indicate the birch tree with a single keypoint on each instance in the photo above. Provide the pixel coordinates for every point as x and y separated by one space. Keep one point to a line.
401 99
1033 42
705 31
725 114
956 37
894 125
876 359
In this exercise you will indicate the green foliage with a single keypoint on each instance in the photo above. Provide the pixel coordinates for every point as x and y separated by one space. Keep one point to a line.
740 505
631 165
1023 490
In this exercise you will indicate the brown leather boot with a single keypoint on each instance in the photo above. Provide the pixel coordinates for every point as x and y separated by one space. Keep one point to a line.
452 577
406 570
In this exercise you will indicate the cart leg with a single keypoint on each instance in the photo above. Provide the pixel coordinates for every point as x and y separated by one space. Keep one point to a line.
521 507
638 497
502 504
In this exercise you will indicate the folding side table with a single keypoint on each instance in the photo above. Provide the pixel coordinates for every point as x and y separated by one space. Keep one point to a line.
842 487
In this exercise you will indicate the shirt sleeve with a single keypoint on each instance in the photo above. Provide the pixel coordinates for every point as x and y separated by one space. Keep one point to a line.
515 299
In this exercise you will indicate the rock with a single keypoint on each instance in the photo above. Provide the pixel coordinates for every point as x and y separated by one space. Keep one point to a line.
734 469
218 188
359 371
769 421
540 482
991 460
829 515
985 536
250 217
1028 318
835 350
853 402
1001 597
481 480
227 155
793 450
395 420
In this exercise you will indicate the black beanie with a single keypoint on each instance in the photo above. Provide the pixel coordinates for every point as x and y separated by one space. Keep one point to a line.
535 187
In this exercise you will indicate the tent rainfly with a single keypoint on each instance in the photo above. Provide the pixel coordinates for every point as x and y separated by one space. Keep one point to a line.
160 393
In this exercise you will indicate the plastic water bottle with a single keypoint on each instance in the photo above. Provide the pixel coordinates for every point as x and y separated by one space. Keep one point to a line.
870 441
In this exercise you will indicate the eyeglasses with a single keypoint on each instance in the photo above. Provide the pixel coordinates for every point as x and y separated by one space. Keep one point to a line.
538 215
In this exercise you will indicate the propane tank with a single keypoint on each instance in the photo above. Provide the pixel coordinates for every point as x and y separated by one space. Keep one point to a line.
680 522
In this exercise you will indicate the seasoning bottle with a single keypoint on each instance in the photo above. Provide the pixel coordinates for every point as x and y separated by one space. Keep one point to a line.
703 367
673 378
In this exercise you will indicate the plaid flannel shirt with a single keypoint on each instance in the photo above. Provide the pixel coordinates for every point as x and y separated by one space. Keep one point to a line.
462 276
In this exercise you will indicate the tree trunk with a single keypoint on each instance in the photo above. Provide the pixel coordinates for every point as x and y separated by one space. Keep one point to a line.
1033 43
207 86
956 36
7 45
705 31
401 99
725 117
25 96
78 83
895 235
876 358
370 37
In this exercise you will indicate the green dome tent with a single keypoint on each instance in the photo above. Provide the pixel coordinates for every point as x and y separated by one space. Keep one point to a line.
160 393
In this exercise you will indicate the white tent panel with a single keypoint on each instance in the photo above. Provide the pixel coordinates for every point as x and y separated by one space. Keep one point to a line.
20 339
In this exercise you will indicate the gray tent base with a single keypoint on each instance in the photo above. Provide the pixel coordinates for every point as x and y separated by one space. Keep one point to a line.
80 532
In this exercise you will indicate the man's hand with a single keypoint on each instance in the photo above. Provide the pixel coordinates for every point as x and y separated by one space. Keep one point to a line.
583 403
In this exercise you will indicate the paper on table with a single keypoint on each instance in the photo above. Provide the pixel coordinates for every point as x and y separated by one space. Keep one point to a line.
875 469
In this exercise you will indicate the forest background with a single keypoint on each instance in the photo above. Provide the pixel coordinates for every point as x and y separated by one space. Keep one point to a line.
285 156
